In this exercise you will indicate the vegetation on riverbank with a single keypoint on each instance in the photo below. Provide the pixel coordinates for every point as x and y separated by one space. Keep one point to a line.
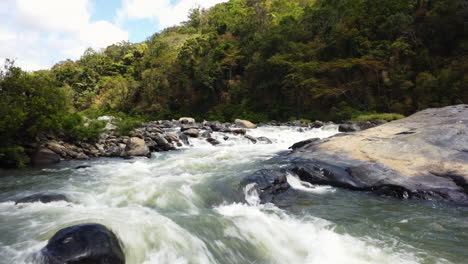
254 59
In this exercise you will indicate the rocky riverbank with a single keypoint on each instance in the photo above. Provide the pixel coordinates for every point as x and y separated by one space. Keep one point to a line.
424 156
161 135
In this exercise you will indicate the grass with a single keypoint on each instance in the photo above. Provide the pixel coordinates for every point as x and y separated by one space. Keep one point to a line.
381 116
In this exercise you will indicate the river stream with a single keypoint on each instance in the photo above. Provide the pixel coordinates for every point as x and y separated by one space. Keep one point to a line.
186 206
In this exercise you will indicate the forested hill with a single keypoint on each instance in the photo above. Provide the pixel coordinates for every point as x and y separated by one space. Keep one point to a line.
259 60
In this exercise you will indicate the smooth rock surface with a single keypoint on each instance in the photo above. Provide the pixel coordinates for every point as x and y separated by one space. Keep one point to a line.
424 156
244 124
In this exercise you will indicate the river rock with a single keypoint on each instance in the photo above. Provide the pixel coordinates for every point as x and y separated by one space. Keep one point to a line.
184 139
264 140
192 132
303 143
269 185
136 147
186 120
424 156
252 139
43 198
213 141
83 244
244 124
44 156
239 131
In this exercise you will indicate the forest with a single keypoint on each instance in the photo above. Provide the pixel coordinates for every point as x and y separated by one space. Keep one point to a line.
259 60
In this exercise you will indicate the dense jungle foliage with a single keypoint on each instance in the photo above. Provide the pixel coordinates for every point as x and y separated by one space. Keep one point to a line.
255 59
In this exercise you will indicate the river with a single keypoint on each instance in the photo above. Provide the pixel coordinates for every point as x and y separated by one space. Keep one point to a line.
186 206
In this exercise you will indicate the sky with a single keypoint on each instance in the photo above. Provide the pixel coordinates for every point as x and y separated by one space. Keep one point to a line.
39 33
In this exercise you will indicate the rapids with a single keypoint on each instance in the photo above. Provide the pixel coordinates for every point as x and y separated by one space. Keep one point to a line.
185 206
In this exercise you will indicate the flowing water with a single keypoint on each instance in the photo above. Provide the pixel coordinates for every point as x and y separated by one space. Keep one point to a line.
186 206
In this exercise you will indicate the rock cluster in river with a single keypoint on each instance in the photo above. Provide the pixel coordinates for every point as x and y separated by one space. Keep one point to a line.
154 136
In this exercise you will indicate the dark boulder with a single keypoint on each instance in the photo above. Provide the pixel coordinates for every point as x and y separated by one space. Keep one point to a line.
303 143
44 156
83 244
184 139
270 185
252 139
213 141
43 198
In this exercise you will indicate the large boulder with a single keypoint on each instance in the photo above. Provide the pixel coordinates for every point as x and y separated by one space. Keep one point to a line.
136 147
44 156
83 244
424 156
244 124
42 198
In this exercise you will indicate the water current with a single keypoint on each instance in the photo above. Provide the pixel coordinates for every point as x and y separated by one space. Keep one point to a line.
186 206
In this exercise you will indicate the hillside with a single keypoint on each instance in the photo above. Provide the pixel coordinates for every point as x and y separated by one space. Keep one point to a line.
255 59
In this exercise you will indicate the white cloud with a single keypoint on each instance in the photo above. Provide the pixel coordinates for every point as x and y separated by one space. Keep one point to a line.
164 11
38 34
53 15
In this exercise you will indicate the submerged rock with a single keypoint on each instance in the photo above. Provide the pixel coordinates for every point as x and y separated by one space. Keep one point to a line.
83 244
424 156
43 198
252 139
264 140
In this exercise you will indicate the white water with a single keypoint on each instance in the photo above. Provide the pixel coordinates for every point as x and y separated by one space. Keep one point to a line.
181 207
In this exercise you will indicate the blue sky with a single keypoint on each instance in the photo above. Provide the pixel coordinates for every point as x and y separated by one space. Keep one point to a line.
40 33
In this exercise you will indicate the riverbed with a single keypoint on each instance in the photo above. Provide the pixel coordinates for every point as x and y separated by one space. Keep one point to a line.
186 206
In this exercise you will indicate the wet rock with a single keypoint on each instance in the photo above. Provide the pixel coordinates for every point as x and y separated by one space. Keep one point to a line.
419 157
213 141
244 124
172 137
215 125
252 139
82 167
238 131
303 143
44 156
206 134
300 130
83 244
352 127
192 132
136 147
225 138
163 144
188 126
264 140
183 137
316 124
43 198
269 185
